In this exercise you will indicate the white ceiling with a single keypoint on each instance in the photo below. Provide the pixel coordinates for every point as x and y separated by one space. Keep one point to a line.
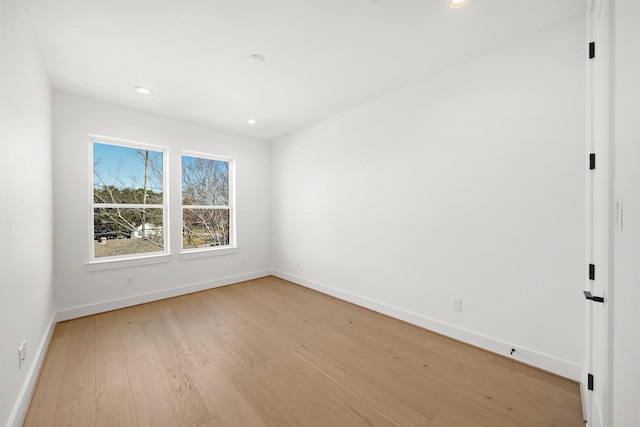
322 56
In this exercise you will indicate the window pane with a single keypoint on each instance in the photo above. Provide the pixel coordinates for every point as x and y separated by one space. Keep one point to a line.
205 181
126 175
205 227
127 231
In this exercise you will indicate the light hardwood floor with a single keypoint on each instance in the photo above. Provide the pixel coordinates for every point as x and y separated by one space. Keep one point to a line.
270 353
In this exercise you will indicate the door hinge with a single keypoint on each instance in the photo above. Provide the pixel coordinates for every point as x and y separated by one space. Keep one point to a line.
590 382
592 50
592 161
592 272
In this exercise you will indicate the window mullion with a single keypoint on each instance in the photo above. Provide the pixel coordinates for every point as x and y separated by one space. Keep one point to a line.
127 206
205 207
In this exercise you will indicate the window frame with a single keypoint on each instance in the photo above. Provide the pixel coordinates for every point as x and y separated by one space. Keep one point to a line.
188 253
129 260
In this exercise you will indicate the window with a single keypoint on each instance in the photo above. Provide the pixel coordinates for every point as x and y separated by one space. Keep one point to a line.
207 202
128 209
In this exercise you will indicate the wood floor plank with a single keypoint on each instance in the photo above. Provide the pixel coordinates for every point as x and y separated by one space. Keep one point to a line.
270 353
259 394
374 372
227 324
189 330
152 401
80 364
175 374
448 417
312 405
114 402
226 402
43 406
378 404
77 413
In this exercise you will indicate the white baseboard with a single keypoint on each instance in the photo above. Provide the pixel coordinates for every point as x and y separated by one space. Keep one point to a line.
22 403
528 356
101 307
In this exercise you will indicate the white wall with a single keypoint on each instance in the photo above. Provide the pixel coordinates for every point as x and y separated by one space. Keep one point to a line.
80 291
626 293
469 183
26 294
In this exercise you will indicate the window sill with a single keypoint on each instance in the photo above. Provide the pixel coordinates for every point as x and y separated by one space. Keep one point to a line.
208 252
100 265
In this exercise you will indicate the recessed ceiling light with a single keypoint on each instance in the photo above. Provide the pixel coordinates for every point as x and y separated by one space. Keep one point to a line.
251 121
456 4
256 59
142 90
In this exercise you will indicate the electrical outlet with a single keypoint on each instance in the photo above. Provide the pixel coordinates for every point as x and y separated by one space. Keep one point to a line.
244 262
298 264
22 354
456 304
130 281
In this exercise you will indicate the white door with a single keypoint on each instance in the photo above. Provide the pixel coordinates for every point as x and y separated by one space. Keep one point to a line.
626 373
599 241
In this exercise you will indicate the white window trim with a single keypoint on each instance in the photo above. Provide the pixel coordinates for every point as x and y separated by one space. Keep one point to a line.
196 253
108 264
231 248
123 261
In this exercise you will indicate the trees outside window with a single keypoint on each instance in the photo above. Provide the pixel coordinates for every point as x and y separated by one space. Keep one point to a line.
128 207
207 201
130 201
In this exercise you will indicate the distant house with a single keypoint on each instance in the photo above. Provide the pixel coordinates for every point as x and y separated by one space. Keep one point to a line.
150 230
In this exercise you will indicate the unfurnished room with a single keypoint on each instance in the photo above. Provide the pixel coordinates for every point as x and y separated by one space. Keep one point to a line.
320 213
